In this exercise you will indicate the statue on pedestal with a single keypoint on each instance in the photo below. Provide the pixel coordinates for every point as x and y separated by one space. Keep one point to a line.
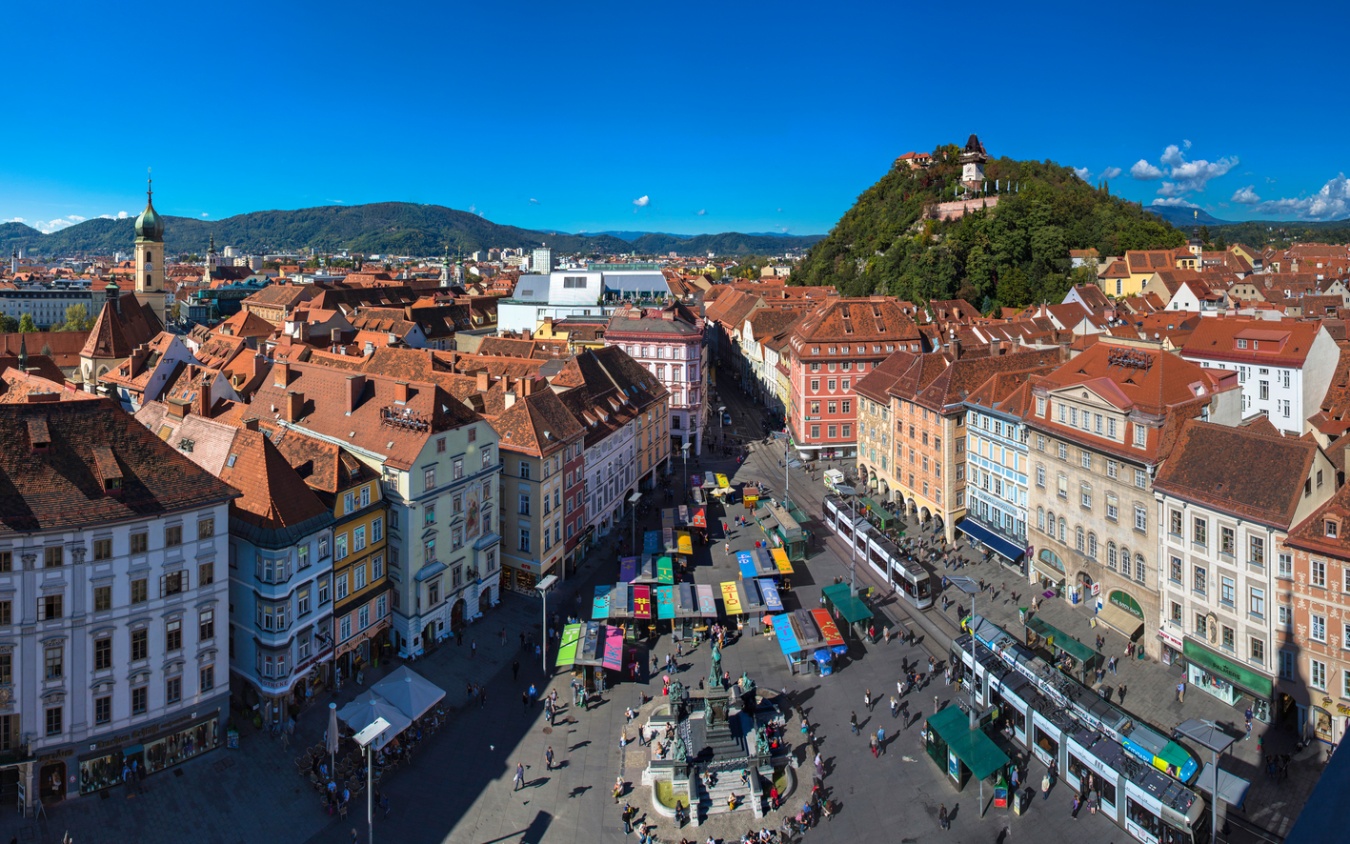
715 673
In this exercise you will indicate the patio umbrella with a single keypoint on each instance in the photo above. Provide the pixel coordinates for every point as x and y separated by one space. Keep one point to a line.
410 692
332 738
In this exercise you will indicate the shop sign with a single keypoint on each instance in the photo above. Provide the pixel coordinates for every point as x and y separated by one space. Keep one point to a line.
1126 602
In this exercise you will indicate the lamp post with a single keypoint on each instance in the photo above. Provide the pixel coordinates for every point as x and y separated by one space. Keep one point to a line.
632 518
366 738
1211 736
543 586
845 489
970 587
684 449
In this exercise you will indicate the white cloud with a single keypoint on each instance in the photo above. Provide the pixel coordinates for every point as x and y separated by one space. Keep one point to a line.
1185 143
703 212
473 209
122 215
534 201
1110 173
53 225
643 201
337 201
1194 175
1331 202
205 215
1145 172
1246 196
16 220
1174 202
75 218
1172 156
1082 173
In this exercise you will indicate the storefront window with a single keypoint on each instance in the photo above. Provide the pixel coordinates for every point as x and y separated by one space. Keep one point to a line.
100 772
181 745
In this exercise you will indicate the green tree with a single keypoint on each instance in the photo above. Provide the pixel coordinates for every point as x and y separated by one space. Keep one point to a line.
8 324
26 324
77 319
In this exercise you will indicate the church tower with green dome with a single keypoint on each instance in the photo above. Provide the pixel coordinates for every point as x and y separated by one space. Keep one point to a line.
150 255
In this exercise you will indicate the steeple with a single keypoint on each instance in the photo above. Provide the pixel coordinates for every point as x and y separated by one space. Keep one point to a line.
149 248
210 261
149 226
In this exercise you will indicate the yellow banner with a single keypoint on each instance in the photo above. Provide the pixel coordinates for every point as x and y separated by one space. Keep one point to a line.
722 482
731 598
685 543
780 559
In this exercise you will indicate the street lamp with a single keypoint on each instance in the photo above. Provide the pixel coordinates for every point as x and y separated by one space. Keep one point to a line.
543 586
970 587
845 489
366 738
685 450
1211 736
632 518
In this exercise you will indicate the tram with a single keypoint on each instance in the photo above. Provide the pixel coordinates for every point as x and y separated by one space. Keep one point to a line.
912 579
1143 791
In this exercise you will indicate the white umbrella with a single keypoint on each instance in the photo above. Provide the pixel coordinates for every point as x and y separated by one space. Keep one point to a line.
332 737
413 694
366 708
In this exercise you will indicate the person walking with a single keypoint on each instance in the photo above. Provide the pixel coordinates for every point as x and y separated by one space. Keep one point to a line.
944 820
853 722
895 706
515 668
519 778
1077 802
473 649
1181 692
867 699
618 789
872 744
548 758
1045 786
881 739
525 701
627 819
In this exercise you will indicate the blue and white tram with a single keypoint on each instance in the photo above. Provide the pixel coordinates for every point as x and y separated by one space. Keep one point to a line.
910 577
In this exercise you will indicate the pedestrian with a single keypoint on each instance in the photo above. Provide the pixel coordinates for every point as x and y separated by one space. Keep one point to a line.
548 757
525 700
881 738
515 668
1015 778
1112 664
1073 813
872 743
1120 693
853 722
895 706
1181 692
356 836
473 649
618 789
944 820
1045 786
726 548
520 777
867 699
627 819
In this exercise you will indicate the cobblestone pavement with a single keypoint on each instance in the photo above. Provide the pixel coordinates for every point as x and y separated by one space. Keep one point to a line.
459 788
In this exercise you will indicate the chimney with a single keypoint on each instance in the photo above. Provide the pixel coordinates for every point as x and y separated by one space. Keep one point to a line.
203 407
955 343
251 424
401 392
177 408
295 403
356 384
510 398
482 383
526 386
281 374
336 336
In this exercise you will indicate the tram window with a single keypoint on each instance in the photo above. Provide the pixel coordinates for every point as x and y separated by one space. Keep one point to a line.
1078 769
1047 743
1107 790
1142 817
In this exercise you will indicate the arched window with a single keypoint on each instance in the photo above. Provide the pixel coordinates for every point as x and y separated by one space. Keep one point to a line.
1078 541
1092 545
1139 567
1050 523
1111 556
1062 531
1125 561
1040 518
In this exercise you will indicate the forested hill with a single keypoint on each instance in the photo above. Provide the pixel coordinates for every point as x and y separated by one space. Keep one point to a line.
1011 255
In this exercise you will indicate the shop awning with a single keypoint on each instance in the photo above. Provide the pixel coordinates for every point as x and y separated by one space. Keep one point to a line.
787 639
600 604
567 646
780 559
686 600
805 628
1121 620
1002 546
731 597
829 631
591 644
642 602
613 652
665 602
745 561
668 540
722 482
681 515
707 601
665 570
651 542
628 569
1242 677
684 542
975 749
1232 788
772 601
752 600
850 606
700 519
1056 639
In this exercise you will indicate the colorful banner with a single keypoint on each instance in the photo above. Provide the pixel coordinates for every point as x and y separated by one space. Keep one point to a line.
772 601
684 542
613 658
700 519
780 559
665 570
567 646
600 604
828 630
731 598
681 516
665 602
745 561
628 568
668 540
787 640
651 542
707 604
642 602
722 482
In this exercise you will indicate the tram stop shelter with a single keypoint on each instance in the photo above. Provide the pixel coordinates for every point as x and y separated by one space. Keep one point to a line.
843 604
879 516
960 751
1041 634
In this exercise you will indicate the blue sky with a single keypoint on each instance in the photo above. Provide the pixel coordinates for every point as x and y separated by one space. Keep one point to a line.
684 117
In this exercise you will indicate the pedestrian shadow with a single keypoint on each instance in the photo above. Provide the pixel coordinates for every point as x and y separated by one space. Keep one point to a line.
579 745
951 816
862 725
537 782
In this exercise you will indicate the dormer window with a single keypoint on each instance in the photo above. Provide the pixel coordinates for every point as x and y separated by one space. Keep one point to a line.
1242 344
38 436
1333 528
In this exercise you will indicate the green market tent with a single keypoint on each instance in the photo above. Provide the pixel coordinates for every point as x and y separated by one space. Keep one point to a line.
851 607
975 749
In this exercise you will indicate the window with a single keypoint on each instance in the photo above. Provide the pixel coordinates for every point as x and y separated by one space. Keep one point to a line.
302 559
1286 569
50 606
103 653
1111 468
359 538
1317 674
1318 571
53 721
53 556
1286 665
1092 545
1079 541
1284 615
206 574
102 598
140 542
173 690
6 617
6 561
139 700
1198 580
1174 522
1063 451
206 528
1258 601
102 710
1317 627
341 588
102 549
377 529
1201 625
1174 570
1256 550
1256 650
1141 478
1176 612
1040 476
429 514
429 478
1085 496
140 645
140 592
1112 507
1227 590
340 547
1140 436
53 662
525 539
172 583
1227 541
1200 531
323 591
173 635
1226 638
1062 484
206 624
1140 517
1087 460
173 536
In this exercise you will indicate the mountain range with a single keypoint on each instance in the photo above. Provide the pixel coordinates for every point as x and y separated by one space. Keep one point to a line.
398 228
